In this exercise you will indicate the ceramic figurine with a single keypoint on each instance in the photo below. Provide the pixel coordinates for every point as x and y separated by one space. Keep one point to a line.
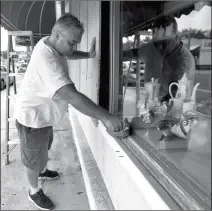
164 126
184 90
192 115
185 98
183 108
145 114
152 90
180 128
188 106
175 108
160 109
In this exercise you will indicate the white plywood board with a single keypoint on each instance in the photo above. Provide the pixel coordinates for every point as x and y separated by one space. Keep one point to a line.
93 64
74 65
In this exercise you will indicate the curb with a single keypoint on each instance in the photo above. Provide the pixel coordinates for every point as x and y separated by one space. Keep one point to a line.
97 193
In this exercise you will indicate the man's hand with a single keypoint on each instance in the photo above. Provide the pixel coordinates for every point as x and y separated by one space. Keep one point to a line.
75 55
113 124
92 52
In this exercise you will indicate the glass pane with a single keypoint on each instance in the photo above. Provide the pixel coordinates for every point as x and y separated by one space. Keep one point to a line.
166 81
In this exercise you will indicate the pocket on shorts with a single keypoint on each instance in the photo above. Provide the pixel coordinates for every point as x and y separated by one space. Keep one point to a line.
32 129
30 156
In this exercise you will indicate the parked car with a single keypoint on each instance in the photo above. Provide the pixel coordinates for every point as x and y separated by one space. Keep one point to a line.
3 77
21 68
132 73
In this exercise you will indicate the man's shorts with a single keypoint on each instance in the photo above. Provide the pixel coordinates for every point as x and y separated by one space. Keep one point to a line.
34 146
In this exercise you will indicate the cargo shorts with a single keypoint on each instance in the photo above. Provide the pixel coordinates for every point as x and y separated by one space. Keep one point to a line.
34 146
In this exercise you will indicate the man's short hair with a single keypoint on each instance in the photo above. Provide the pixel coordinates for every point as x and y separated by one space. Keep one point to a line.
68 20
166 21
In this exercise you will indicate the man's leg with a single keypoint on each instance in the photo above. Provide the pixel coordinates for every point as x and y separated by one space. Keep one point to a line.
34 155
32 176
45 173
51 137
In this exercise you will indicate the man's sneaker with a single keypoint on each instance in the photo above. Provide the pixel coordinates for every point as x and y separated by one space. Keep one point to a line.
41 201
48 175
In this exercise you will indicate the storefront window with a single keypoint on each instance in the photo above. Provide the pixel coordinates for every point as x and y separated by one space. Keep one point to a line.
166 84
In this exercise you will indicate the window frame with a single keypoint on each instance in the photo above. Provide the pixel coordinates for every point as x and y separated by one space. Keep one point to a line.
115 60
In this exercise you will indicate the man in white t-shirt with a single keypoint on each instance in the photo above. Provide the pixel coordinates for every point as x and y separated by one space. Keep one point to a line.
43 101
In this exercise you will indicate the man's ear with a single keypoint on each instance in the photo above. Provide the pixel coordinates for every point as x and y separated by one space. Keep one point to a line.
57 34
169 30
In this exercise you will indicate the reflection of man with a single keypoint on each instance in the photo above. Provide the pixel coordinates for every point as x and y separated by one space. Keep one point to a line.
166 59
43 101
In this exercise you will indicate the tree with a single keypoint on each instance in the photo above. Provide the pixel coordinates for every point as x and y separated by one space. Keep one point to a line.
209 34
128 45
192 33
200 34
4 54
23 41
147 39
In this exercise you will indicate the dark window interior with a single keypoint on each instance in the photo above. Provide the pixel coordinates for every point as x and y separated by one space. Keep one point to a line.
105 56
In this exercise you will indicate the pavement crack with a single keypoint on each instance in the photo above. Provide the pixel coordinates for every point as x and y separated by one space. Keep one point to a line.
80 193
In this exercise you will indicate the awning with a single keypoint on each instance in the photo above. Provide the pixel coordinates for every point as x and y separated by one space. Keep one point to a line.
193 47
139 15
36 16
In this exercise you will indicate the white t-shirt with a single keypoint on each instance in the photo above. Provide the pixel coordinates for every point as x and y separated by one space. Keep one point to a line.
36 104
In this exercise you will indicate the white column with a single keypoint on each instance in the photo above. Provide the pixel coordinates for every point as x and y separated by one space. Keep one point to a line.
58 9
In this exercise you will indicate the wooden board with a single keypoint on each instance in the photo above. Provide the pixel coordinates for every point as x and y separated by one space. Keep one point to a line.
86 73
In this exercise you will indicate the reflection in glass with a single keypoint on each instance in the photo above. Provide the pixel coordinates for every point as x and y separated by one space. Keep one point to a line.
167 86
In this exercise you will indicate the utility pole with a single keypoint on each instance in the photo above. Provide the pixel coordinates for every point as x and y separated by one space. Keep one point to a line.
189 40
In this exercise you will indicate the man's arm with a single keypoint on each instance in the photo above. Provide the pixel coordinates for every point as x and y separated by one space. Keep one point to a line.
79 55
136 52
185 63
84 55
81 102
87 107
130 54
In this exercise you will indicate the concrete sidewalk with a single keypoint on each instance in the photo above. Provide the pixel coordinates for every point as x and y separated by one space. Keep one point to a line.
67 193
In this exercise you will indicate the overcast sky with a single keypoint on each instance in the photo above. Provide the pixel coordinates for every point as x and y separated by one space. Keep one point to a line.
196 19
